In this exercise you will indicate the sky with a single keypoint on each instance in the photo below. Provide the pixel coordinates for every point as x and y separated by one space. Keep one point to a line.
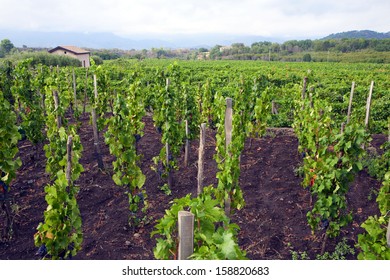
273 18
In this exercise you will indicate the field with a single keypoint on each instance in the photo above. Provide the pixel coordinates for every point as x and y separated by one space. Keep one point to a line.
274 158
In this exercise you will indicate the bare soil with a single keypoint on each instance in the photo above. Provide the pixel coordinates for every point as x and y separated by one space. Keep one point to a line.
272 223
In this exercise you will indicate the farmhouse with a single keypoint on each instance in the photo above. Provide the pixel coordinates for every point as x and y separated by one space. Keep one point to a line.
80 54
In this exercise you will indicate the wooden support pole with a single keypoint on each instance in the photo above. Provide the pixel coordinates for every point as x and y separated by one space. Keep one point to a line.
228 122
95 129
85 90
368 105
56 106
168 152
74 92
304 88
350 102
388 122
68 173
342 128
388 235
303 95
187 146
274 110
167 148
228 138
311 97
202 144
186 234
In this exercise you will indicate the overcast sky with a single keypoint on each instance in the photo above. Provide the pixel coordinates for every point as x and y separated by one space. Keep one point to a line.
283 18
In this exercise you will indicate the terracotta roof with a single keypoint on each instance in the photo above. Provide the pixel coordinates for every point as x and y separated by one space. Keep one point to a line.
73 49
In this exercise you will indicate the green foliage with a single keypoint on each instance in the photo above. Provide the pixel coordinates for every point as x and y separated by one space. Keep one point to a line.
373 243
341 251
211 240
125 128
61 231
9 137
45 58
27 90
306 57
377 166
168 116
330 163
5 47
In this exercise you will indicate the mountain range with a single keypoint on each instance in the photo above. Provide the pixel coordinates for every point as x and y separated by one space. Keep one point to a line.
106 40
355 34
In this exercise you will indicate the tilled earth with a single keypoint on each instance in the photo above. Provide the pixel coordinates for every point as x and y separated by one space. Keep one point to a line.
272 223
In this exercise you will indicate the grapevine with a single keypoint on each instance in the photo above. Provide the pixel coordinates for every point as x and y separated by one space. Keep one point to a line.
125 128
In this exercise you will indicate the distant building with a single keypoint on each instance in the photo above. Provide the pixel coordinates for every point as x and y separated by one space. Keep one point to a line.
75 52
225 48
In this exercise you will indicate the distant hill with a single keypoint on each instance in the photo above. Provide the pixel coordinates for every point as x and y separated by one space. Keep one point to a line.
356 34
106 40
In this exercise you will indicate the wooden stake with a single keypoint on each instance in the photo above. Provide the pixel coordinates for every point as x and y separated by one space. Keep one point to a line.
350 102
304 88
274 110
388 235
202 143
228 138
342 128
186 234
368 105
56 106
85 90
187 146
167 149
311 97
170 179
74 92
95 129
68 173
228 122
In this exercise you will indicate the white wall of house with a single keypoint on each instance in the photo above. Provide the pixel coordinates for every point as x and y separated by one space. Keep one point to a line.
84 58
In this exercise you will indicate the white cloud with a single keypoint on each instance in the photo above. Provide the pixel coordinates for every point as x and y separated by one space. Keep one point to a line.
297 18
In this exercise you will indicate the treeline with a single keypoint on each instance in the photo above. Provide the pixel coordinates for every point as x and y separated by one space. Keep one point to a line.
260 50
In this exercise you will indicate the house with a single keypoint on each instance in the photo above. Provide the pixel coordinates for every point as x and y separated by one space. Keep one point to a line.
75 52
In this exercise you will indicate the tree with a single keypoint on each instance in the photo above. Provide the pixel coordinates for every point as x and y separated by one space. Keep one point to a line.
306 57
5 47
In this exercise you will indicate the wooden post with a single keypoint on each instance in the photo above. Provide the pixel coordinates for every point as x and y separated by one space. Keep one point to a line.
311 97
388 235
85 90
303 95
368 105
228 122
202 143
342 128
56 106
167 149
304 88
228 138
186 234
187 146
274 110
388 122
95 129
69 160
74 92
350 102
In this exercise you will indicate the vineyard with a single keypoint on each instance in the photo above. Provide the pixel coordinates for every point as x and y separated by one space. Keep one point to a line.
272 160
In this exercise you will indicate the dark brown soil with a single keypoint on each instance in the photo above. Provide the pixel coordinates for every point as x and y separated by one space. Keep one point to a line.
272 223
